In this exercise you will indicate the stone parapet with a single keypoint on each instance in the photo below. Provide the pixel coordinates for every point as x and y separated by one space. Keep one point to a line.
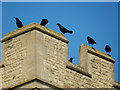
35 56
34 26
26 52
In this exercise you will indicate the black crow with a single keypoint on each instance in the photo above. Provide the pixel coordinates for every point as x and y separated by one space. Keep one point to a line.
44 22
18 23
71 59
107 48
64 30
91 41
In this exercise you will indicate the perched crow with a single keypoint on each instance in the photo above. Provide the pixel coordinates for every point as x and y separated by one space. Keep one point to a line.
91 41
18 23
64 30
44 22
71 59
108 48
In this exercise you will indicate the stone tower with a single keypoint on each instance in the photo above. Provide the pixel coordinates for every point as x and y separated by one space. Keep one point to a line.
37 57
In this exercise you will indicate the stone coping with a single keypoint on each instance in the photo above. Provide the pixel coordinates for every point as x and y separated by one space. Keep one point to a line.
34 79
34 26
78 69
98 53
116 84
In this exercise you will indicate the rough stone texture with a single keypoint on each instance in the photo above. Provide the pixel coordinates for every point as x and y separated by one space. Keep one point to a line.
116 85
0 77
34 84
35 56
19 59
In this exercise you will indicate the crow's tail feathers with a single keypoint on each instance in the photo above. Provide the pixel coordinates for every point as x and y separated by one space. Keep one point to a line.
70 32
95 42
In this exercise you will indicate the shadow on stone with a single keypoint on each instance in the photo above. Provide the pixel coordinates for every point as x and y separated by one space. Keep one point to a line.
35 88
109 55
93 48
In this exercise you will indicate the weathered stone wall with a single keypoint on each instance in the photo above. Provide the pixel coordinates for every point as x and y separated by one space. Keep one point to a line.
19 60
101 70
35 52
0 77
34 84
51 57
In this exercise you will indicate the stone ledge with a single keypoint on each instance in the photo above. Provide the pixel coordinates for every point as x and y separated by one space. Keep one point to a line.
78 69
98 53
32 80
34 26
116 85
